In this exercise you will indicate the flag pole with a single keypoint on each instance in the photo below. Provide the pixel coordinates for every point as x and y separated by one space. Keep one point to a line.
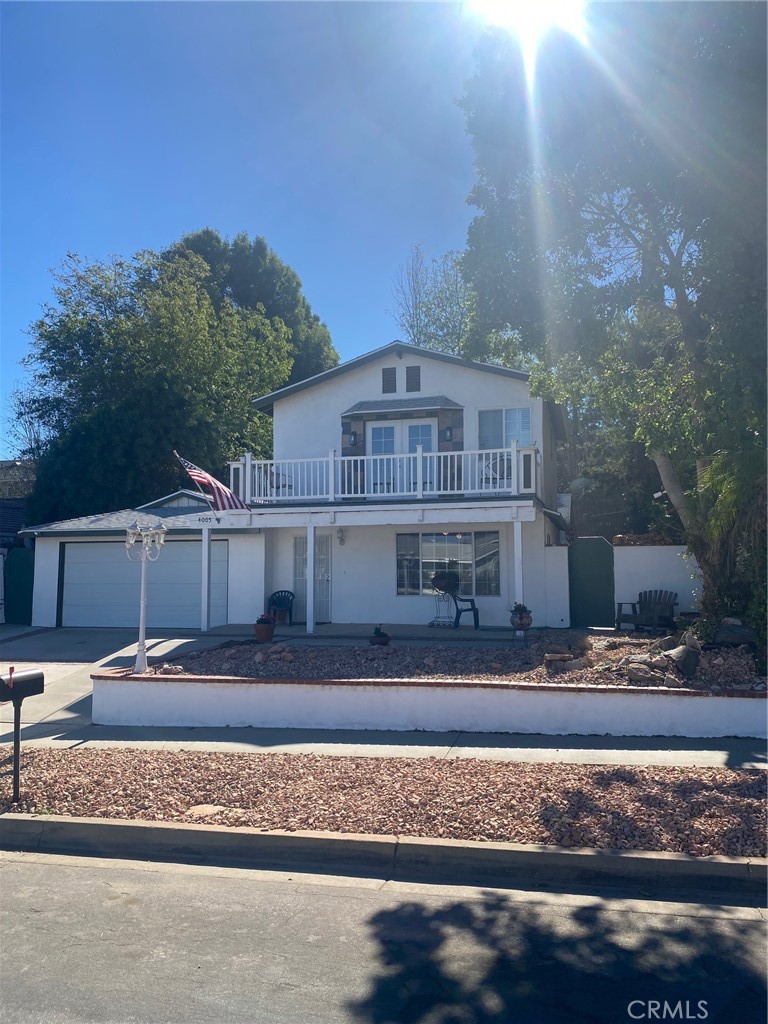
207 497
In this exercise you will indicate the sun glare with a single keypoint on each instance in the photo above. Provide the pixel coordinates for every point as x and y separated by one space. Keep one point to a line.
530 20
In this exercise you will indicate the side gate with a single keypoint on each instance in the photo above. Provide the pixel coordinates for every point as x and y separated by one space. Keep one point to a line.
19 577
591 582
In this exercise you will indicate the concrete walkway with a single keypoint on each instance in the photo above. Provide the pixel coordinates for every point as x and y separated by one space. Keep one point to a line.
61 717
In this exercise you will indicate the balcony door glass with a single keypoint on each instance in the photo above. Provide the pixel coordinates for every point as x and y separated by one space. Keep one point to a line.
388 472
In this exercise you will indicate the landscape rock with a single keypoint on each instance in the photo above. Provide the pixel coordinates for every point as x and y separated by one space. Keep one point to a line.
643 674
666 643
734 634
686 660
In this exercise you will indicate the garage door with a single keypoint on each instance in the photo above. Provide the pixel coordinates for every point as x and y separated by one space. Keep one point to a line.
101 587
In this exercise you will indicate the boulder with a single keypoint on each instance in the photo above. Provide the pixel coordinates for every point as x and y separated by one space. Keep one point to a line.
675 682
643 674
666 643
732 634
685 660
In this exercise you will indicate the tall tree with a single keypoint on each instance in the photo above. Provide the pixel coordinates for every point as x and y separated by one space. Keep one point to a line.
435 308
622 222
251 276
132 361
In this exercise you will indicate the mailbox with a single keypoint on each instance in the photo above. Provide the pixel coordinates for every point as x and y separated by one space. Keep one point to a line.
16 686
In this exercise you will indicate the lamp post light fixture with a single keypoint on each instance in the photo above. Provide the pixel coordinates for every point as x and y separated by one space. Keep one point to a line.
147 541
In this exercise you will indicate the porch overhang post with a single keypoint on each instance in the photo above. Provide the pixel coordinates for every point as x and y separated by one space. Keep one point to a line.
310 579
205 580
517 531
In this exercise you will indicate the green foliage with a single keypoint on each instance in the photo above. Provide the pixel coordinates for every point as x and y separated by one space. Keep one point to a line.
621 237
252 277
435 308
133 361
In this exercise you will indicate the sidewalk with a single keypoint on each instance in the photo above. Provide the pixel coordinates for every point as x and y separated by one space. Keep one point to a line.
61 717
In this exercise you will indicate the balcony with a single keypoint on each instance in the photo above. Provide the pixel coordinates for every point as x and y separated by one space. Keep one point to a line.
418 476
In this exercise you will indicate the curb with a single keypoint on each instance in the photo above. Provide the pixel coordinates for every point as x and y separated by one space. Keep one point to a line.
396 858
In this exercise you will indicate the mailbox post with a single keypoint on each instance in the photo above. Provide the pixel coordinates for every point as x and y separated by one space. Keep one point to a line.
15 687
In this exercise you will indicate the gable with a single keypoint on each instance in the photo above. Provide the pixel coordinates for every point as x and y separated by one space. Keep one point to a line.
396 356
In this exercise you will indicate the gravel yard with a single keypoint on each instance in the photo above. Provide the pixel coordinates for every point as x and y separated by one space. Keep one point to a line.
591 660
694 811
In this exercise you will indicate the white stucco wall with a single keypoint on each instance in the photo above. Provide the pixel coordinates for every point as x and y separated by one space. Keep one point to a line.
558 610
308 424
364 584
246 577
467 708
44 594
656 568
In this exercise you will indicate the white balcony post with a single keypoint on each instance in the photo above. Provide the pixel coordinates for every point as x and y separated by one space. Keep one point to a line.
332 474
514 483
419 471
247 484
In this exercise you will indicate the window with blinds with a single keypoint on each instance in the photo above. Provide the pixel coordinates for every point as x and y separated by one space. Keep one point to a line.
497 428
389 380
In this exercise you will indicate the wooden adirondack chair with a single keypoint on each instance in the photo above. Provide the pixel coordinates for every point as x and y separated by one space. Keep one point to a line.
654 609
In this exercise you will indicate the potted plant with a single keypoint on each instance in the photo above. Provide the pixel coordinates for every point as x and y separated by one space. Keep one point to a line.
446 581
521 617
264 628
379 638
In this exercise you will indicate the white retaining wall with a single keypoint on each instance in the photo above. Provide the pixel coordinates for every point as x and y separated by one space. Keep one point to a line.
466 708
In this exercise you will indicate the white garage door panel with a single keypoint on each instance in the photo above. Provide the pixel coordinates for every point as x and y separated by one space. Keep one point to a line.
101 587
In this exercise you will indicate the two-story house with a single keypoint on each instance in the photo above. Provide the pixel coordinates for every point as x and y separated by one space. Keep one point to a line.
386 468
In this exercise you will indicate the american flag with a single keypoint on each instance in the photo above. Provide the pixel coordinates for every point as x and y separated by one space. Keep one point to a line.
223 499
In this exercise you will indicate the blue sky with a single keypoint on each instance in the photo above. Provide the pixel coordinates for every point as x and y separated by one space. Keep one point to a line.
331 129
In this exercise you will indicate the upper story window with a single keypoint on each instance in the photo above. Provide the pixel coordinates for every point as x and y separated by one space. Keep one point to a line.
497 428
413 378
389 380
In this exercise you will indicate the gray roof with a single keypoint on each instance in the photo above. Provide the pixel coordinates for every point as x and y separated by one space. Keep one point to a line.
171 516
266 402
402 404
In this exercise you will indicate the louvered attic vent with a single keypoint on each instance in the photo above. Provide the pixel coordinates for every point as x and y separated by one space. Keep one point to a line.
389 380
413 378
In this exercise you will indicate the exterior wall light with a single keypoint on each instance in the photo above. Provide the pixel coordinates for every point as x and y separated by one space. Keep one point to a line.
340 535
352 438
448 434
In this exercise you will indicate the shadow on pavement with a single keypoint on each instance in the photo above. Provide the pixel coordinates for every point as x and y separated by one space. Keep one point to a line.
494 961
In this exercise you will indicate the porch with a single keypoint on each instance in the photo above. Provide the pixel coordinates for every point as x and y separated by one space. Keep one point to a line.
417 475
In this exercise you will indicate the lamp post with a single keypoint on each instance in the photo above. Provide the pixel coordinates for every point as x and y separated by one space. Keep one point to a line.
150 540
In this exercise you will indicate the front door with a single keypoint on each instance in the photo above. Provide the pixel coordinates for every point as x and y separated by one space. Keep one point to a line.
322 578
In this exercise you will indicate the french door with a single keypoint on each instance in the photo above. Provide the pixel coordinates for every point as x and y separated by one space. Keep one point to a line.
386 473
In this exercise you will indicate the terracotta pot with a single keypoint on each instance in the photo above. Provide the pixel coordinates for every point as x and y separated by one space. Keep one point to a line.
264 633
378 641
522 621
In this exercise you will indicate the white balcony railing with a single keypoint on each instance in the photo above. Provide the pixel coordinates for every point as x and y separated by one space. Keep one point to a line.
495 472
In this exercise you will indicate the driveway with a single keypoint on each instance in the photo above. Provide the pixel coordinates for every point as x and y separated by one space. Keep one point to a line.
68 656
